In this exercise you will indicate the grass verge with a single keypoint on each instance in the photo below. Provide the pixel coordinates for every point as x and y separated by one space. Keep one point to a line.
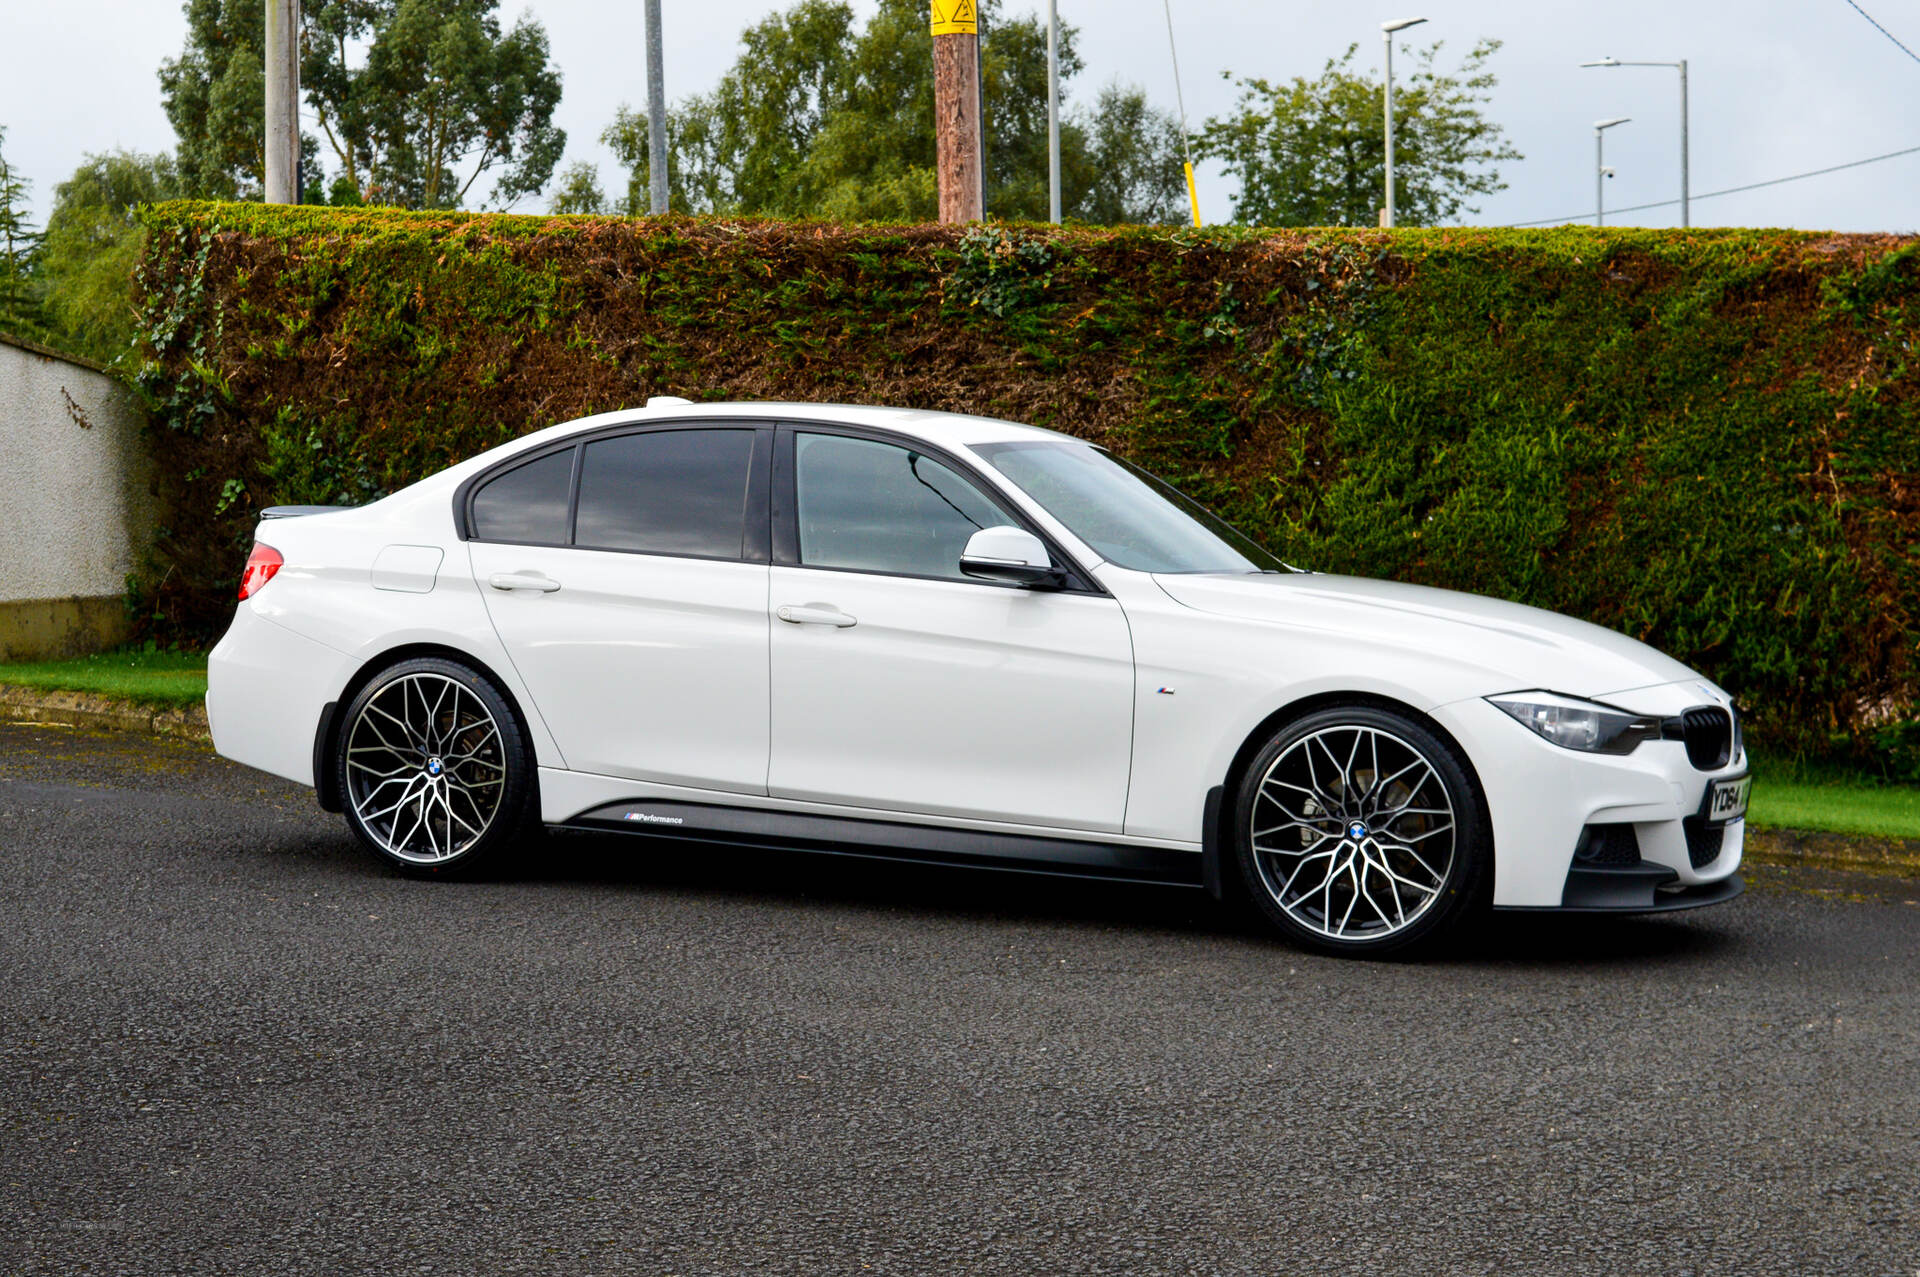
151 677
1840 807
1826 795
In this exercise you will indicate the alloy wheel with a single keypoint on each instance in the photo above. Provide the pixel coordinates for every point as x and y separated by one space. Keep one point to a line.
425 768
1353 833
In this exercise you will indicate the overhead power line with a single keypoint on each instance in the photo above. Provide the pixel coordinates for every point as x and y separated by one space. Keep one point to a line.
1731 190
1883 31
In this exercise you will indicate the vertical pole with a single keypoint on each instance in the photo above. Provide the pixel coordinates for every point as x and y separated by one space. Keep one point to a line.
656 115
1686 207
956 109
1053 111
1386 214
281 184
980 108
1180 99
1599 177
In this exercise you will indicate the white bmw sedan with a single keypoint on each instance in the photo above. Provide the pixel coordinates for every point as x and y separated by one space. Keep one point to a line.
910 634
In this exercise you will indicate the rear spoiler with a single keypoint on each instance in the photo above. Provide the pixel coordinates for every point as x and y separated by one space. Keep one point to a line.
297 511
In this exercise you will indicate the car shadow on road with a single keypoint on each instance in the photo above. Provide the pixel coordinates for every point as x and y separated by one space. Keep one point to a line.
1495 939
1501 939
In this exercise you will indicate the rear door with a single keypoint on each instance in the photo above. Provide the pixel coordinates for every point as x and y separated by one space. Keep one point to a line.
627 577
900 684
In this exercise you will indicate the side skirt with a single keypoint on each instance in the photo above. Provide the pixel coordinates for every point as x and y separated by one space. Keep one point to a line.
892 840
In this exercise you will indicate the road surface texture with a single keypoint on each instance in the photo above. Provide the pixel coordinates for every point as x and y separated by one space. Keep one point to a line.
233 1043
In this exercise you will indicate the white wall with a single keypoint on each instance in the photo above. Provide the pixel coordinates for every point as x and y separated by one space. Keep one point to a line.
75 510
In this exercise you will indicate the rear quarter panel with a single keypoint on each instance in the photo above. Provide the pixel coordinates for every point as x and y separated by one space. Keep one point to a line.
329 593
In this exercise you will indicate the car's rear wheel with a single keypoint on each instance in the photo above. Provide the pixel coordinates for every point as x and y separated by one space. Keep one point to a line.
435 773
1360 831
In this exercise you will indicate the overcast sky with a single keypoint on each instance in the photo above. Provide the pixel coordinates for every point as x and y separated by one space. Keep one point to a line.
1778 87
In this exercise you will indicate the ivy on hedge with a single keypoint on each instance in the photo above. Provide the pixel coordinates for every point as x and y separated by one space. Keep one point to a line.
1707 439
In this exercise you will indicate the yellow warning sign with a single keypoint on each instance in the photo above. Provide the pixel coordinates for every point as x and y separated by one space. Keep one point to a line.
955 17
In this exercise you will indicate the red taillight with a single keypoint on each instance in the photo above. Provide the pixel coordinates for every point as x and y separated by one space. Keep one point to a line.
261 565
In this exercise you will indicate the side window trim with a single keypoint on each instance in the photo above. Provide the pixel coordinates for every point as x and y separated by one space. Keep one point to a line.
754 429
471 490
776 538
757 529
756 540
573 489
786 506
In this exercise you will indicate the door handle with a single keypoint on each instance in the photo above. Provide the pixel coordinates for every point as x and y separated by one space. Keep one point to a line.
815 614
523 581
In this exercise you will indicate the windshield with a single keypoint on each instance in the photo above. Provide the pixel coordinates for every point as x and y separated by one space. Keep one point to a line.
1130 518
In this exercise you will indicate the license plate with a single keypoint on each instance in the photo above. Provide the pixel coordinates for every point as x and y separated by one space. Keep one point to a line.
1727 799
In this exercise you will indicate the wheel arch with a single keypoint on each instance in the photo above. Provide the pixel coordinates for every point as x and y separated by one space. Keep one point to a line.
326 735
1220 831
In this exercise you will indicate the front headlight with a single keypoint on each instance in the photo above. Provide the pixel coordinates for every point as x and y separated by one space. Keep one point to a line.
1572 723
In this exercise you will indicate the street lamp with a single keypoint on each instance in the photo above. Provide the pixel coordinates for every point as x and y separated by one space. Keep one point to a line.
1600 170
1053 112
1686 210
1386 34
656 115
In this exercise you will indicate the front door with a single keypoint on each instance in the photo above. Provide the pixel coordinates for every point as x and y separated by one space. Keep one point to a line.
900 684
622 581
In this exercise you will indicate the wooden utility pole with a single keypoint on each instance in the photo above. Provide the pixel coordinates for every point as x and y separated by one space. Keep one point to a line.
282 184
956 110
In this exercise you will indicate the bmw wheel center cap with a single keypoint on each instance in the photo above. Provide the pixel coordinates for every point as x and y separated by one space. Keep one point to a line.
1357 830
434 767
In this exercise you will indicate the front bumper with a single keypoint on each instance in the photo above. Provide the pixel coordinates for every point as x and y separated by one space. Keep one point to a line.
1541 797
1641 888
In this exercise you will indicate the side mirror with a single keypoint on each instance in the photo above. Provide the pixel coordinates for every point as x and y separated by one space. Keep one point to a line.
1009 554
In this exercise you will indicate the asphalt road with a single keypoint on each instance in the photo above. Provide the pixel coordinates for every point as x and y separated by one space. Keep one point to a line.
231 1043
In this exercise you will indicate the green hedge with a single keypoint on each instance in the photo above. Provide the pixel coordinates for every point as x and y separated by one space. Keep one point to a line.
1707 439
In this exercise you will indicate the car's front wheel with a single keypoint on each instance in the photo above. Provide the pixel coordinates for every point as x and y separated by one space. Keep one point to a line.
1360 831
435 773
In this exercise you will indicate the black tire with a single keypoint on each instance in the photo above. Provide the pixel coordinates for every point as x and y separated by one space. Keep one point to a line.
421 752
1337 833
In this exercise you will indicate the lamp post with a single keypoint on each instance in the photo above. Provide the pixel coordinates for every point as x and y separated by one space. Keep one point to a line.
1600 171
282 175
656 115
1387 30
1686 211
1053 112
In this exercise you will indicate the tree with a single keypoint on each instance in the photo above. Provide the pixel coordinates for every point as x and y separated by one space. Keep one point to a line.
745 146
1013 72
874 157
577 190
91 246
442 97
695 181
19 313
214 94
1137 161
820 117
1313 152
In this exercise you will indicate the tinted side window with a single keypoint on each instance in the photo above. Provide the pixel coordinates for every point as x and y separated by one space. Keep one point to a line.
528 503
666 492
883 508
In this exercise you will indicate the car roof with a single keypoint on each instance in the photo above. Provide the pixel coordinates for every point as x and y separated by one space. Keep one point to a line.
950 428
